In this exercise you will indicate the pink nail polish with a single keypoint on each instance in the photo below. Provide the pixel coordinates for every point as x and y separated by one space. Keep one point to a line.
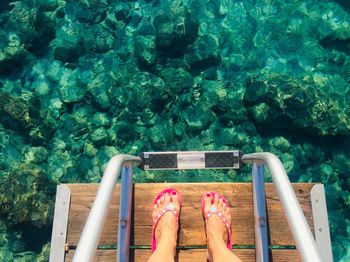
173 193
208 194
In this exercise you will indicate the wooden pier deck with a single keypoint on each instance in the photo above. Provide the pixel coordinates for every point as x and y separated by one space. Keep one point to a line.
192 240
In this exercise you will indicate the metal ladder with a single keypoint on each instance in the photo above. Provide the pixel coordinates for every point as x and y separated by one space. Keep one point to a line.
122 164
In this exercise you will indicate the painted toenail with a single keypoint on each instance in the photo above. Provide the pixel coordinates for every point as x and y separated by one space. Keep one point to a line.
208 194
173 192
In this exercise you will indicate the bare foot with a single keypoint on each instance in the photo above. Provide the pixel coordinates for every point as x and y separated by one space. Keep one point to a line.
166 230
215 227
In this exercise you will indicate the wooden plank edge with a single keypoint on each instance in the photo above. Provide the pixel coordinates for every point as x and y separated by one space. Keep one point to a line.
190 255
60 223
321 224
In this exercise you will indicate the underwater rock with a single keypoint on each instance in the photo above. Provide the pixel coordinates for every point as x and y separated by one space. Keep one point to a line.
341 164
37 155
310 55
99 137
42 88
204 53
16 109
100 96
68 44
123 133
160 135
71 89
99 81
197 119
145 51
98 40
36 196
25 116
45 70
74 126
101 119
25 20
175 30
86 13
337 19
146 29
56 108
323 173
290 103
224 101
146 91
12 52
44 254
121 11
177 80
111 22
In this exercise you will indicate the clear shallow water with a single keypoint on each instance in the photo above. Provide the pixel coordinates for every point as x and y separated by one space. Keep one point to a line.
81 81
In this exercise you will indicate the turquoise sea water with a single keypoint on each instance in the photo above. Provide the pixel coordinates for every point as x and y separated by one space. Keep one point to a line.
81 81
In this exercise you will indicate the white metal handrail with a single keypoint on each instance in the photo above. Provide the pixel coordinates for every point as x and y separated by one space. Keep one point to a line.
90 236
298 225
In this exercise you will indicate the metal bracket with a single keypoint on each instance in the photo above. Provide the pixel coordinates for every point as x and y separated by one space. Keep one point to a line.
125 214
60 223
260 217
320 216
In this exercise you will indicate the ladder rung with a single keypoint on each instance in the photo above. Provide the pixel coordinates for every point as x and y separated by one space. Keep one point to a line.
176 160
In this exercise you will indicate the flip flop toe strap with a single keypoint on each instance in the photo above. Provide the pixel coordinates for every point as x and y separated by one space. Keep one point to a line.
161 213
214 211
169 208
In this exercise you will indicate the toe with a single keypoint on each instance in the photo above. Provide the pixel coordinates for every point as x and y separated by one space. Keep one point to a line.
174 198
220 205
216 200
207 201
160 203
162 199
166 199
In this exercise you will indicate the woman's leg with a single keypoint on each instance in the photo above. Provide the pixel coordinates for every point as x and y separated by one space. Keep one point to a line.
166 230
216 231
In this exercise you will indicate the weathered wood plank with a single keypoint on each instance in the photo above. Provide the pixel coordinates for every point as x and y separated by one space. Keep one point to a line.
246 255
192 226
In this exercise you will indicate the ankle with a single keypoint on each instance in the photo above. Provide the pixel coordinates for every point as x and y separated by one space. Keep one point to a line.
215 240
167 245
167 237
216 248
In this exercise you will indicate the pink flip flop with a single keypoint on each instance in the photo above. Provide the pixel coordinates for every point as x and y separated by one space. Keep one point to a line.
169 208
213 211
